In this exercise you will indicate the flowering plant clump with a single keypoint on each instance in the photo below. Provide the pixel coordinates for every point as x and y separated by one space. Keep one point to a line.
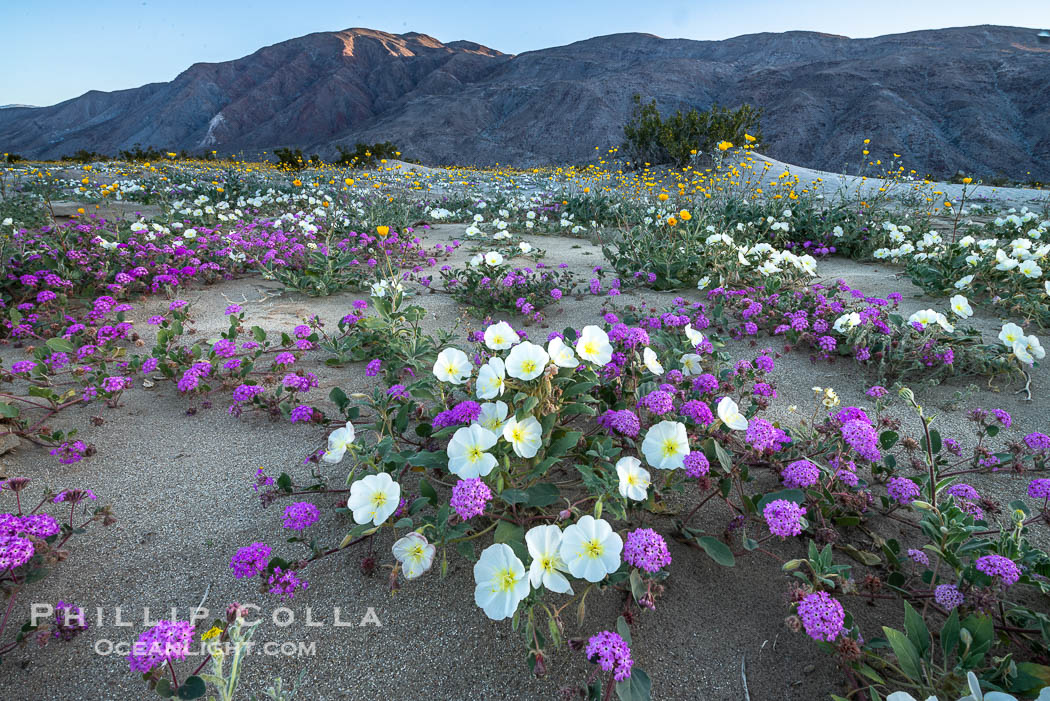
32 543
490 284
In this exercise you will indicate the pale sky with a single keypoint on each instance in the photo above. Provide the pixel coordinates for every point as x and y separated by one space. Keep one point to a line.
59 49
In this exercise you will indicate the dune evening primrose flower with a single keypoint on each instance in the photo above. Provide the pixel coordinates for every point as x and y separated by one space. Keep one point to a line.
415 554
338 442
1010 334
591 549
492 416
500 336
500 581
527 361
491 378
652 363
634 479
466 452
822 616
730 415
694 336
691 364
665 445
452 365
374 498
524 436
593 346
609 651
961 307
544 543
561 354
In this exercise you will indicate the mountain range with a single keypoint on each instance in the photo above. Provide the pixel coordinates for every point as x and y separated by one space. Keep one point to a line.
970 99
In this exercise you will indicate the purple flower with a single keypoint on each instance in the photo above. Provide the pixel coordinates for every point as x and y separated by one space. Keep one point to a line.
1037 442
302 413
1039 488
902 490
822 616
1002 417
232 309
784 517
764 436
469 498
398 392
698 411
286 583
646 550
250 560
696 464
243 393
658 402
919 557
624 422
14 552
609 651
372 369
800 474
161 644
876 391
69 621
998 566
300 515
302 331
39 525
948 596
863 438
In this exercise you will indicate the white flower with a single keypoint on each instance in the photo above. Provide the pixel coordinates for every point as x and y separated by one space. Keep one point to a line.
1010 334
703 282
593 345
415 554
500 336
373 498
651 361
500 581
691 364
453 366
491 378
560 354
1030 269
524 436
493 258
338 440
525 247
527 361
729 413
1046 287
963 282
492 416
961 306
590 549
694 336
846 322
466 452
634 479
544 543
1004 261
666 445
1028 350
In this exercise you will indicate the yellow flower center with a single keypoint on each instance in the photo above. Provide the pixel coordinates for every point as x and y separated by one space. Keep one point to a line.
528 366
378 499
632 480
517 434
474 453
589 348
505 580
593 549
669 447
547 563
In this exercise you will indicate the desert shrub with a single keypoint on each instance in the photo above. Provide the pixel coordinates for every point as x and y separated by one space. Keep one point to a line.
365 156
651 138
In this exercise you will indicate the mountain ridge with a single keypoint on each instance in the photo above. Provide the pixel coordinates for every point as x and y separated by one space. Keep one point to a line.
962 98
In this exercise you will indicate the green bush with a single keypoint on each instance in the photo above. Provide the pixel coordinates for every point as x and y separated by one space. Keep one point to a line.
650 138
364 155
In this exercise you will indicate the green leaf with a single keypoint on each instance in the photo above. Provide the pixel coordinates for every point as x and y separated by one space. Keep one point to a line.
466 549
507 532
862 556
717 550
636 688
437 459
258 334
514 496
578 388
563 444
59 345
8 411
794 495
950 634
192 688
163 688
624 630
427 492
888 439
916 629
542 494
907 655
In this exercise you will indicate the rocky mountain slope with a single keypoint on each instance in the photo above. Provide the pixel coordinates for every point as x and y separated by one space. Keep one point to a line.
971 98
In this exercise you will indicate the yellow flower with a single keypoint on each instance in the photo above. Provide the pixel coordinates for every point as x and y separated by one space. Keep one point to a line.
80 210
662 197
383 231
213 632
725 146
349 181
865 152
749 139
297 182
967 181
684 215
671 221
692 152
867 141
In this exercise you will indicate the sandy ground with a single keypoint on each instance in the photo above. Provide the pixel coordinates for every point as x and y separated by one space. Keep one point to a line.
181 487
